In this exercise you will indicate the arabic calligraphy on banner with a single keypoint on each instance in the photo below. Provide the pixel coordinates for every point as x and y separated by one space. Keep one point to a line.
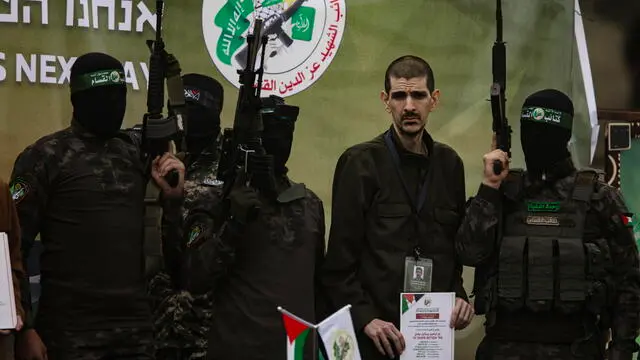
303 39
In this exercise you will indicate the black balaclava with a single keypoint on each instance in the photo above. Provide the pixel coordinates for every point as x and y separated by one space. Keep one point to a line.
277 137
545 130
204 97
98 94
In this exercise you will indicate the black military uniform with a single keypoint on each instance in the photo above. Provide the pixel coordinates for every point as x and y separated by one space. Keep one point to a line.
375 226
556 267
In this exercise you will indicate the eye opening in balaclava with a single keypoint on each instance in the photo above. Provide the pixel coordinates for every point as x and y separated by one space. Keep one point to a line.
545 130
98 93
204 97
277 137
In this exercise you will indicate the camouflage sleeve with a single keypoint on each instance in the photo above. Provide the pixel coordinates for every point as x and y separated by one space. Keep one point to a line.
208 251
172 239
477 233
626 272
29 189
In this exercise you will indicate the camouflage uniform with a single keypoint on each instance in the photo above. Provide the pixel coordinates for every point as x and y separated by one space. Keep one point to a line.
126 343
85 198
254 269
545 331
181 321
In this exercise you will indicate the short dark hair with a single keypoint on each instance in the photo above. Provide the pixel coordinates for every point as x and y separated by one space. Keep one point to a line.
409 66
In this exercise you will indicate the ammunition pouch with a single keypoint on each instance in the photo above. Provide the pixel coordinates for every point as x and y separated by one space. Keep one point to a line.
544 262
153 259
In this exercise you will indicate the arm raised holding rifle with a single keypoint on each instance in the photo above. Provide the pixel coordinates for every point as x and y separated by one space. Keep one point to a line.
500 124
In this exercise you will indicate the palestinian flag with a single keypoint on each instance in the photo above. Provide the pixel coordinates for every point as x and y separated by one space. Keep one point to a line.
408 299
627 219
298 332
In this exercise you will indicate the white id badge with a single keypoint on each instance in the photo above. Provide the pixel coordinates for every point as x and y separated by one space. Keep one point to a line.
417 274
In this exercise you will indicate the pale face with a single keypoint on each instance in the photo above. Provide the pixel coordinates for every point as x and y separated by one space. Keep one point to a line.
410 103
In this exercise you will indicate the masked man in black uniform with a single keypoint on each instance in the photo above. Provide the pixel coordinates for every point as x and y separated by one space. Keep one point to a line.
82 189
556 262
258 260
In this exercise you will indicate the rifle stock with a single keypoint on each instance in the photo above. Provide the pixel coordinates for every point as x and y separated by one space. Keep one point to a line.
273 25
158 131
500 123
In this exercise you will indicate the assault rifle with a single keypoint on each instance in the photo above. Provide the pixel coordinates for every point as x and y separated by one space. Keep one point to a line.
273 25
498 100
159 133
244 140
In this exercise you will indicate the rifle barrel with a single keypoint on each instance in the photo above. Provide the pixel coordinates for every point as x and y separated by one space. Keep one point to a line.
498 21
159 12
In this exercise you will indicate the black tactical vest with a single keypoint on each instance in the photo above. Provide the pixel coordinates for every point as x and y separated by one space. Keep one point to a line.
544 263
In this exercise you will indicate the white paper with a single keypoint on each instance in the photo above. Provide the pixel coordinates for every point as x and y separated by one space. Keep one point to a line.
8 313
424 323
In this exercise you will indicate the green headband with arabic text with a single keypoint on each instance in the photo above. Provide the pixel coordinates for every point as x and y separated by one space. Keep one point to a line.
97 79
547 116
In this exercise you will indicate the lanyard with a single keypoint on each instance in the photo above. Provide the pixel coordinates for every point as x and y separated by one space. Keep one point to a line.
422 197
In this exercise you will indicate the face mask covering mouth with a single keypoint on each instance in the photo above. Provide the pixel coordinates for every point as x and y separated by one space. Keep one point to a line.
277 136
546 124
99 101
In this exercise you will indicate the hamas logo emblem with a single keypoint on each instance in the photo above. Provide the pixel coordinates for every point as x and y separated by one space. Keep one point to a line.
19 189
114 77
343 346
194 235
303 39
537 114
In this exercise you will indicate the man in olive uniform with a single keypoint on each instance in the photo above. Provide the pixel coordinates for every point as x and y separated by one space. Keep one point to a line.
82 190
397 203
556 262
264 254
182 321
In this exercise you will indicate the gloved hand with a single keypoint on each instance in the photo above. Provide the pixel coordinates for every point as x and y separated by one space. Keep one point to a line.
244 204
263 177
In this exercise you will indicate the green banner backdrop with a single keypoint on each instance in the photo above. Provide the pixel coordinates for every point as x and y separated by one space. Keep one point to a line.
333 69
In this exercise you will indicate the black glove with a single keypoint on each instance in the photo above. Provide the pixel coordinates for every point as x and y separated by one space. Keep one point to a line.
244 205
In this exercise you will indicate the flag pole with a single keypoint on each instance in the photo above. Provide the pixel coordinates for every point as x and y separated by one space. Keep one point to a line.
315 350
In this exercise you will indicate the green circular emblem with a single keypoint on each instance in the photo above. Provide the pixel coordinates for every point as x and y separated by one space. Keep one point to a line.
537 114
114 76
19 189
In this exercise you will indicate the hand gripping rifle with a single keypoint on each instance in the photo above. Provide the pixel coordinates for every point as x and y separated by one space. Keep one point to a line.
244 140
499 64
158 132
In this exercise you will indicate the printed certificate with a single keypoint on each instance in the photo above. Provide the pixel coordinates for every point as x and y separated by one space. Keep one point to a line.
424 323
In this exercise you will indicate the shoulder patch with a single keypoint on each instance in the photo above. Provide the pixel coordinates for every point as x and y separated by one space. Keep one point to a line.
213 182
627 219
19 190
196 235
